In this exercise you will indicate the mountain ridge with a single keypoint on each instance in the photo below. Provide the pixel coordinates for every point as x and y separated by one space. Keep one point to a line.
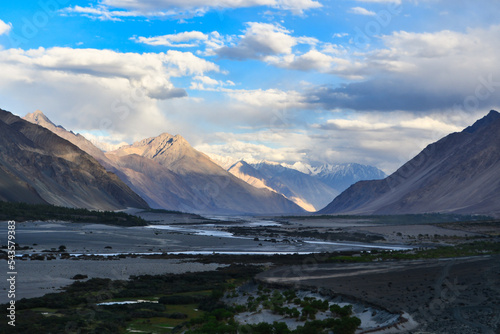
213 188
459 173
45 166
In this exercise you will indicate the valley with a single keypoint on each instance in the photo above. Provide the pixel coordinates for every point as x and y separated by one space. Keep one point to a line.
368 262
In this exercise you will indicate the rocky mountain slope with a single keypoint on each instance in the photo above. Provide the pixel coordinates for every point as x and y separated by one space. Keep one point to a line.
193 181
85 145
37 166
459 173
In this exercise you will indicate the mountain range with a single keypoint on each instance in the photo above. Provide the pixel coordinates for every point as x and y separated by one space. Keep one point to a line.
309 193
169 174
44 163
342 176
37 166
458 174
312 188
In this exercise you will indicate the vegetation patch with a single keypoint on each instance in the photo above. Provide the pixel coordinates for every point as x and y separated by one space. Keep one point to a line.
77 308
284 304
24 212
466 249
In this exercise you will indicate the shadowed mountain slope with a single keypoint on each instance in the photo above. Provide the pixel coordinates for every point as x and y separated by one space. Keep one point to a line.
37 166
459 173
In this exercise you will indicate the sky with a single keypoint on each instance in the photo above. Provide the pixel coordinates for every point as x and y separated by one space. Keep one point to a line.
311 81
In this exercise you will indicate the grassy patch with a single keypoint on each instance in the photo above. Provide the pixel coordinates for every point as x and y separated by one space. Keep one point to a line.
165 324
191 310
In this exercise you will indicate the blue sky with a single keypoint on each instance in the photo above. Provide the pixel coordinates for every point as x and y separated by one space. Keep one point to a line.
315 81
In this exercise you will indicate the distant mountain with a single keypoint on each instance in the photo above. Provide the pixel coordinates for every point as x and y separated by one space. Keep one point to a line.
309 187
224 162
37 166
249 174
459 174
307 192
342 176
168 173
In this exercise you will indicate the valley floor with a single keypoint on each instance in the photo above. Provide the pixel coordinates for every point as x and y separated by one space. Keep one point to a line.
459 295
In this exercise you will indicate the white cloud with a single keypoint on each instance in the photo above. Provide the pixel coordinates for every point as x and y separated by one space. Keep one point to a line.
274 45
444 43
174 40
260 40
101 90
188 39
430 124
357 125
362 11
269 99
380 139
340 35
311 60
420 72
381 1
101 13
186 63
250 152
207 80
270 43
118 9
295 6
5 27
334 49
105 143
271 144
386 140
365 123
214 42
203 82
